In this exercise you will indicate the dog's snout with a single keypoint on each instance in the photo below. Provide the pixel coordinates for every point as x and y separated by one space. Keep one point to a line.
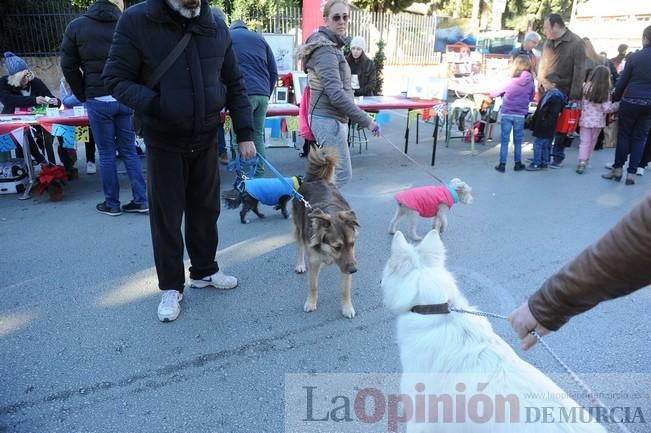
351 269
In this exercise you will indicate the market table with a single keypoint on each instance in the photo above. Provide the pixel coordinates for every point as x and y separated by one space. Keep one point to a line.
375 103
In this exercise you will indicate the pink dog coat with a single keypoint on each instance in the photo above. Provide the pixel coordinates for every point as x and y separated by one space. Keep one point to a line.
426 199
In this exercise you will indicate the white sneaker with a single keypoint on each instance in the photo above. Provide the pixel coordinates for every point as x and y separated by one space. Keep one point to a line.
90 168
218 280
169 307
640 171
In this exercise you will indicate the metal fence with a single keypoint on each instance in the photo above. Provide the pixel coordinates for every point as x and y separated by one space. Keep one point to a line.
35 28
409 38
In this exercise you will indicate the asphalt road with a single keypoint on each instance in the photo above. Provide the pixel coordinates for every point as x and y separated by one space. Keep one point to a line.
81 349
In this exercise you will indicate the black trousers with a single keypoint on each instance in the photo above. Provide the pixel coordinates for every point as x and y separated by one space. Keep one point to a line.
178 185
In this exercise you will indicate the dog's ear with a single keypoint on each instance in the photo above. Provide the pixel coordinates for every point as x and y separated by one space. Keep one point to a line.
348 217
399 243
320 218
431 249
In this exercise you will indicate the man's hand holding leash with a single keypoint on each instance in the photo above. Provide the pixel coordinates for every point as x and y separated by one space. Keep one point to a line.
247 150
523 322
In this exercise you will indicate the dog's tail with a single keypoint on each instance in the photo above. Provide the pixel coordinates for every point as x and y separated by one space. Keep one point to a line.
232 199
322 163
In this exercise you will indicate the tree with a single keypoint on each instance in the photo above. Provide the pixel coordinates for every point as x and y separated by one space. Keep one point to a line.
524 15
386 5
378 59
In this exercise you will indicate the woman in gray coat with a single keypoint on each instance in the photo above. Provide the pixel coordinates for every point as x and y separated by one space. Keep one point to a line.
331 98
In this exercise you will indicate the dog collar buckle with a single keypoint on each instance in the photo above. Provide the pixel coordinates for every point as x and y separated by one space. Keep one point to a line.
428 309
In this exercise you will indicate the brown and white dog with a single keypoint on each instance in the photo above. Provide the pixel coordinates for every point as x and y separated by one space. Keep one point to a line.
327 231
430 202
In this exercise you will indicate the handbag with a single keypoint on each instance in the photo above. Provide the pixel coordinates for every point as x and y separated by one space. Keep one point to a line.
568 120
136 121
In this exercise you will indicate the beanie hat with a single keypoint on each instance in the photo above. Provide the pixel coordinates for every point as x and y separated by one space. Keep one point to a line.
14 64
358 42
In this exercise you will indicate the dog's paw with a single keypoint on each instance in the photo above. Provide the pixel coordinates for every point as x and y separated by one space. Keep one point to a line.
309 306
348 311
392 230
415 237
300 268
244 221
261 215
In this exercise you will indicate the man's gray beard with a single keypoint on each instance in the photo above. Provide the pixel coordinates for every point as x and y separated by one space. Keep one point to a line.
185 12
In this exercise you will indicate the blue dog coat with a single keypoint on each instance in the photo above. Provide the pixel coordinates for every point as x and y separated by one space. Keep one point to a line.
269 190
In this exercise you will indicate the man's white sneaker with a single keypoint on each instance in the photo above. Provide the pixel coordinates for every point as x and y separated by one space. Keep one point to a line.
218 280
170 305
640 171
90 168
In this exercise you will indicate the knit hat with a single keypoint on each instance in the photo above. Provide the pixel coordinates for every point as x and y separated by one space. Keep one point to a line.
358 42
14 64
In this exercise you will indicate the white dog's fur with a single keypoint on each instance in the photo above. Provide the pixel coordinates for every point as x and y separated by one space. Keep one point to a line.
440 221
449 348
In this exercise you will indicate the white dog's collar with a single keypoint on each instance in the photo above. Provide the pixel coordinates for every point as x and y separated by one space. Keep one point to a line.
427 309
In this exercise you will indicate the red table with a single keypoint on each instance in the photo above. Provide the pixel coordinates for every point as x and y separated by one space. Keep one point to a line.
65 117
373 103
282 110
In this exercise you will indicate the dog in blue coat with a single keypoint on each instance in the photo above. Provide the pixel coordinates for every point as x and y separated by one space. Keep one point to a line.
270 191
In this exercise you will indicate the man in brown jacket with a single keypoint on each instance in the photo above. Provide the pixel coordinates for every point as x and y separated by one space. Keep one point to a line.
563 53
617 264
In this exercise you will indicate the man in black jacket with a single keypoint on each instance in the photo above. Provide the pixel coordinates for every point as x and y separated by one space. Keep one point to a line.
84 51
180 117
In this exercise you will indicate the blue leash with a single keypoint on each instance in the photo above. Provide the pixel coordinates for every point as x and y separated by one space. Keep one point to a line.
238 164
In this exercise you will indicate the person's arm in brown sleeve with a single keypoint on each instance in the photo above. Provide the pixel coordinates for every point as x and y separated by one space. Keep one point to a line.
617 264
578 71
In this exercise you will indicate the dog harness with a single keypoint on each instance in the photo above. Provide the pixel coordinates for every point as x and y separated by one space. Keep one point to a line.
269 190
426 199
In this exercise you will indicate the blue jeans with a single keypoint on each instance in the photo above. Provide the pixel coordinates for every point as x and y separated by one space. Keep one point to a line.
633 126
514 122
111 125
561 141
541 151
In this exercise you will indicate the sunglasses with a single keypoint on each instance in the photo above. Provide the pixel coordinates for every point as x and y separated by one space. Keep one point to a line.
337 18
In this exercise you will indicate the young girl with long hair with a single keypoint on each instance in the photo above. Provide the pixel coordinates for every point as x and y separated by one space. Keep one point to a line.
517 94
595 105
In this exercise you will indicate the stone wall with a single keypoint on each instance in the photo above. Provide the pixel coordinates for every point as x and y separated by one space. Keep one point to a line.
45 68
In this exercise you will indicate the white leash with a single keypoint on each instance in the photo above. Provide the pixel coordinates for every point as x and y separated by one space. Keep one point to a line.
584 387
413 161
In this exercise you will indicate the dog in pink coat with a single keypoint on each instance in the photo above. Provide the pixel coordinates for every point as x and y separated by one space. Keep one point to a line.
430 202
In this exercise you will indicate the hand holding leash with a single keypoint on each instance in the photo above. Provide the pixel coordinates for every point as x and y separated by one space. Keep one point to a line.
523 322
375 129
247 149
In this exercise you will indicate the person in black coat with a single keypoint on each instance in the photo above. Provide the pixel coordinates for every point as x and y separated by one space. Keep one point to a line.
544 121
22 89
361 67
180 115
84 50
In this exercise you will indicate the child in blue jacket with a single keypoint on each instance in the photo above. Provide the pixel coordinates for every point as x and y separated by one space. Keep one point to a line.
544 121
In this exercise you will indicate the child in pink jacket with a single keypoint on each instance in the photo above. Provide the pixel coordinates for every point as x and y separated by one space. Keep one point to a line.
595 105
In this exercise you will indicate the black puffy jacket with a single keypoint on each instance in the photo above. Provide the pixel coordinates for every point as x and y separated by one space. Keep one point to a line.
85 48
181 112
12 97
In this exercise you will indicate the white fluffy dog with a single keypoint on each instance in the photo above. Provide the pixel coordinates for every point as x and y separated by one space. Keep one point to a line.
430 202
477 381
